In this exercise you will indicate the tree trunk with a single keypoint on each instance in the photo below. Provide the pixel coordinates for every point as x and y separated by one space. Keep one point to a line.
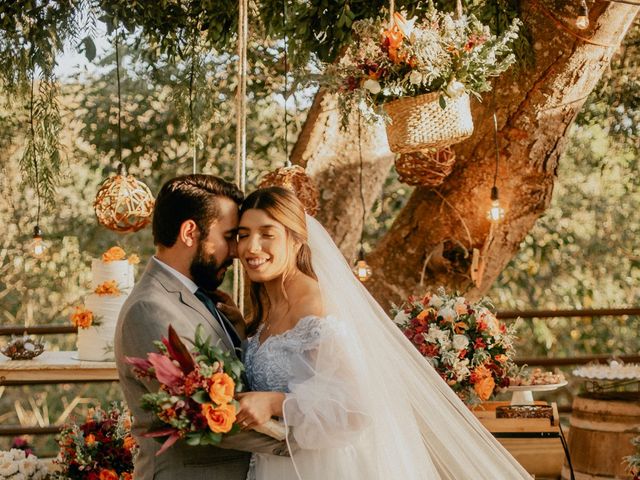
442 236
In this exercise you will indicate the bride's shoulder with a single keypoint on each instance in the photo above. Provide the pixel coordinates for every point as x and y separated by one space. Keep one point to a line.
307 301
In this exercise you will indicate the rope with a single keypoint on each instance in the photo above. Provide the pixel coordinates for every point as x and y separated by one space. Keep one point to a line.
287 161
392 9
119 105
241 134
361 190
192 130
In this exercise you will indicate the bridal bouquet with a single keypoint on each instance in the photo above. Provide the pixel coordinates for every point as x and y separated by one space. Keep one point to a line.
195 400
408 57
101 448
470 349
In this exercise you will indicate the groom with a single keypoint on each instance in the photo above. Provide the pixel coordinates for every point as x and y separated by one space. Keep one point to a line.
194 230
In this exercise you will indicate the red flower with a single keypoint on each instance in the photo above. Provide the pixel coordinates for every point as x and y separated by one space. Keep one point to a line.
479 343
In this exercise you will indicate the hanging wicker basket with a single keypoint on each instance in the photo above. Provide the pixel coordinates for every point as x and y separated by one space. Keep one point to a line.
418 123
428 168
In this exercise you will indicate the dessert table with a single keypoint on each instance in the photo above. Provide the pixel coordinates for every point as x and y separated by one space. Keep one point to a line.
55 367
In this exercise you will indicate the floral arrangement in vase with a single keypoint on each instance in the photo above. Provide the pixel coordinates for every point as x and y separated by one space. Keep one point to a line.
445 53
101 448
466 344
17 464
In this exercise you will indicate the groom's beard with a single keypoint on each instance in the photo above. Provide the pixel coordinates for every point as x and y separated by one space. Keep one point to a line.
206 272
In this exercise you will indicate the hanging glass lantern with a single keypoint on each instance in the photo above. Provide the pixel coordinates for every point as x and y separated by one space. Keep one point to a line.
495 213
294 178
37 247
582 20
362 270
123 203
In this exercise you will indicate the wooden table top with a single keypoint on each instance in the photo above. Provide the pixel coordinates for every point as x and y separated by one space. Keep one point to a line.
55 367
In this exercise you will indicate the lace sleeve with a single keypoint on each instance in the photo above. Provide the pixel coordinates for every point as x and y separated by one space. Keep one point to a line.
323 406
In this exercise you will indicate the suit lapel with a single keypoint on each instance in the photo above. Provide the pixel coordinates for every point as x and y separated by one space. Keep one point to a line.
174 286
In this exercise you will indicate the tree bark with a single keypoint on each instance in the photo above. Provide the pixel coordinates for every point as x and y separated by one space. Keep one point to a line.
442 236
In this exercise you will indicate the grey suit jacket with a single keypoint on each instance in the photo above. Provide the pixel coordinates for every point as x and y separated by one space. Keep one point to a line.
157 300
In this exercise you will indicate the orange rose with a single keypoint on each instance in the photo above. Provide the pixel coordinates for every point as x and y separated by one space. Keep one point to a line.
113 254
90 440
127 476
484 387
222 388
82 318
108 475
110 287
422 315
129 442
220 419
133 259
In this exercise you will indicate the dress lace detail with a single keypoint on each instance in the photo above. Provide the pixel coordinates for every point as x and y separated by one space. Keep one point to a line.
268 364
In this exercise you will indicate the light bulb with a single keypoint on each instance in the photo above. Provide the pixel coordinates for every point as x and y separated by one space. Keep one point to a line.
362 270
496 212
37 247
582 20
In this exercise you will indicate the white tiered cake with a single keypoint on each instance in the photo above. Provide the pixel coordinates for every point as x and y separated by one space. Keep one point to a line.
111 283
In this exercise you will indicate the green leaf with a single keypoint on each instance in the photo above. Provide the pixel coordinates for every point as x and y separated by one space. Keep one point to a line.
87 46
193 439
201 397
442 102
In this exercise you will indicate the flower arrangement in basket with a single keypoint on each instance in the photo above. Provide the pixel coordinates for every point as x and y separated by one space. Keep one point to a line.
195 401
470 349
17 464
421 72
101 448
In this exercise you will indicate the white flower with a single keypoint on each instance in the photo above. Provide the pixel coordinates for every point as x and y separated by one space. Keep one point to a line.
401 318
8 468
435 302
460 342
455 89
448 314
372 85
405 25
18 454
461 369
29 465
18 476
415 78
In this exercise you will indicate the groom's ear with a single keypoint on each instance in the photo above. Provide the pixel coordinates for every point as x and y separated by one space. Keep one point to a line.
188 233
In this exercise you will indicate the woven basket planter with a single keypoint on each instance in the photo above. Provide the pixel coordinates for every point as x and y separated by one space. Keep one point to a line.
428 168
418 123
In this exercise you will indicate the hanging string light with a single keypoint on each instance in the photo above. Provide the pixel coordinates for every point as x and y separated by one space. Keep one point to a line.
361 269
37 247
192 129
582 20
123 203
292 177
496 212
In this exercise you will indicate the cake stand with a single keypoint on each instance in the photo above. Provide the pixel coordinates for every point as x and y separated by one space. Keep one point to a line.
523 394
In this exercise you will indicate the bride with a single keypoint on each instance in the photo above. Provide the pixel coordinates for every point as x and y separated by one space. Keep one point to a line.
356 397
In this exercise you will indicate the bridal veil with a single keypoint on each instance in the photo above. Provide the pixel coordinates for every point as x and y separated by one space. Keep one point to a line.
364 404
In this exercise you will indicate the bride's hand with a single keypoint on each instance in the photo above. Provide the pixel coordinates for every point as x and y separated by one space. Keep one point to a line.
256 408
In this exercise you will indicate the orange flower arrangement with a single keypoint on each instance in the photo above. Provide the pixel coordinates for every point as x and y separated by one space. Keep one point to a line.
108 475
113 254
220 419
82 318
222 388
133 259
110 287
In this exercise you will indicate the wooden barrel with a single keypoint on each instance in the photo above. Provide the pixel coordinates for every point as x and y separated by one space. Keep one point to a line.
602 427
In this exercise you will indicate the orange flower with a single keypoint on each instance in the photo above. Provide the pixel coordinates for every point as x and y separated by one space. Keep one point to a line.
129 442
113 254
108 475
460 327
220 419
91 439
133 259
222 388
501 358
484 387
82 318
110 287
127 476
392 39
422 315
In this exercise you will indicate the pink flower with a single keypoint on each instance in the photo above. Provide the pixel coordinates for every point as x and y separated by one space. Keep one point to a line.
167 372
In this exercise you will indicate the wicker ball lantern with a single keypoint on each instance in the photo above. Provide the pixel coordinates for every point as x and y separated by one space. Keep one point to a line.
294 178
123 203
426 168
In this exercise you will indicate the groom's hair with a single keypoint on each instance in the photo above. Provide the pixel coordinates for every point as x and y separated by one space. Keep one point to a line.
189 197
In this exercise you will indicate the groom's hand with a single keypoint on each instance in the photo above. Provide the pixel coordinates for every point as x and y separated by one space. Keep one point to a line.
226 305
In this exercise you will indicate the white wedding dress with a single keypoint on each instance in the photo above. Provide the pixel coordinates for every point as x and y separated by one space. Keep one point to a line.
361 402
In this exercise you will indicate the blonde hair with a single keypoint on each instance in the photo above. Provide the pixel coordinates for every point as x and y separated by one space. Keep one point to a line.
284 207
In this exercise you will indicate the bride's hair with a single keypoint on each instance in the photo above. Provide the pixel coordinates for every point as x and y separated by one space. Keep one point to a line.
284 207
